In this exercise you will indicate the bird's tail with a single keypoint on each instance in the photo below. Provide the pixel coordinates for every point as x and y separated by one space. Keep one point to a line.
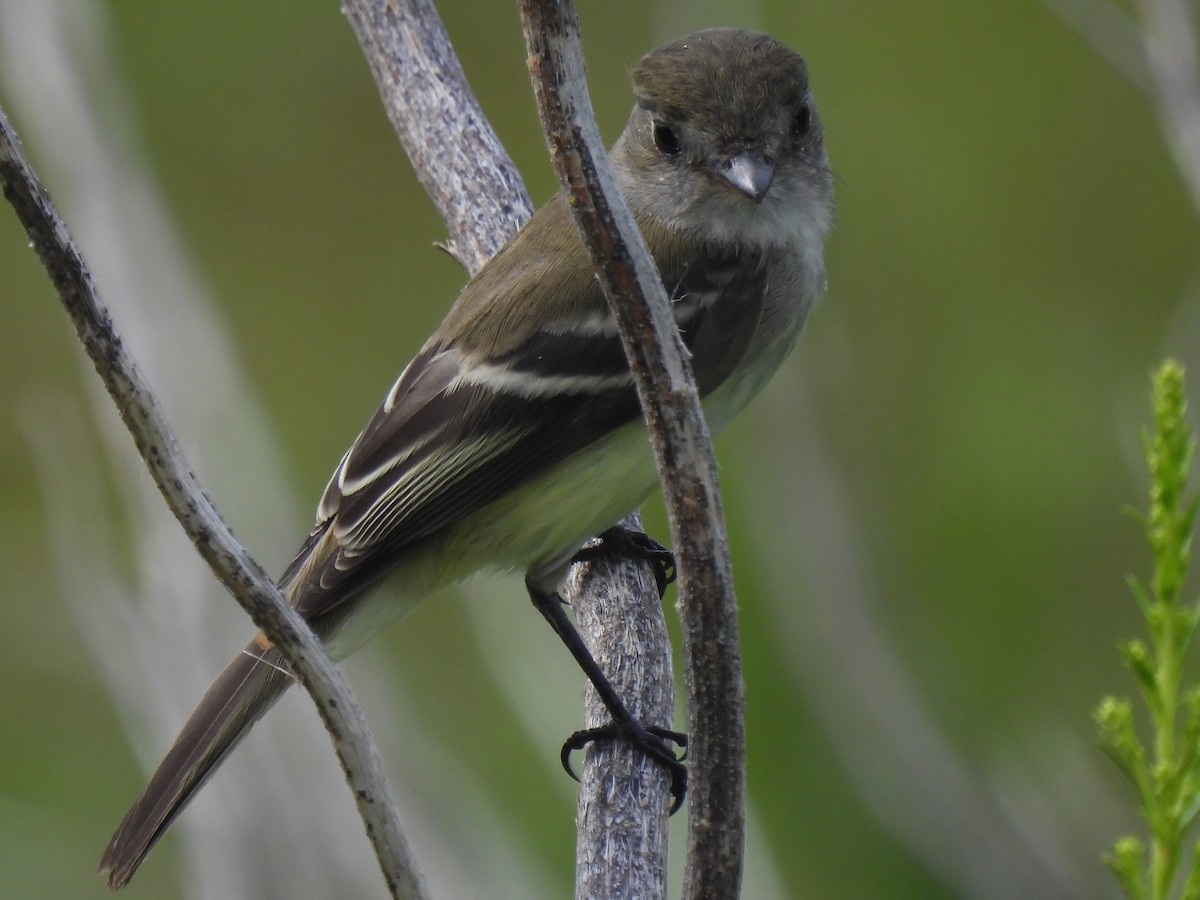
239 697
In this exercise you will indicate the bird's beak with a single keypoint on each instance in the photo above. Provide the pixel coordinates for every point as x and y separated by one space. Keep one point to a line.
750 172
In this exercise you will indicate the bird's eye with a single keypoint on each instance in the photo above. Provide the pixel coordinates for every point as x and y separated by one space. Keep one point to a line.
802 122
666 140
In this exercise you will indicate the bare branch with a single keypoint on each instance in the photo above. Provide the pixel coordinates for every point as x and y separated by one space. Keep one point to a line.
622 798
622 821
457 156
231 563
682 448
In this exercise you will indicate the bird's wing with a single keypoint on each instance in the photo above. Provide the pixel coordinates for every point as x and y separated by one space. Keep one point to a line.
485 406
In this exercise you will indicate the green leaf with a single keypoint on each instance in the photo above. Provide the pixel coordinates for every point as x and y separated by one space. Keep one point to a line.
1115 720
1140 594
1137 658
1126 863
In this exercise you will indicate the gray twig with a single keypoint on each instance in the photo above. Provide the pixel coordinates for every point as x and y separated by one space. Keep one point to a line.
472 182
681 444
457 156
231 563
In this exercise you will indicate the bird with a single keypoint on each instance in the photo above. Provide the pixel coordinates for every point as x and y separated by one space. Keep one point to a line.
515 434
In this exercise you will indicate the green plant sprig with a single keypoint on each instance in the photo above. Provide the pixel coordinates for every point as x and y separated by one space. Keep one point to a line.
1167 779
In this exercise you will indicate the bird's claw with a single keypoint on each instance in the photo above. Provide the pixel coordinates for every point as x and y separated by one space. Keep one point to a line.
628 542
655 742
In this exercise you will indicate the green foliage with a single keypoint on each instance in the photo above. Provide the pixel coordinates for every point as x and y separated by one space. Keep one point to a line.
1165 773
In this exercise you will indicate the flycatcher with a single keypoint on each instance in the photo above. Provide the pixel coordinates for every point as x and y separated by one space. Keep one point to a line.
515 434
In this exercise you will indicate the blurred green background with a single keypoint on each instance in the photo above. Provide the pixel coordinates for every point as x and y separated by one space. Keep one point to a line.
927 508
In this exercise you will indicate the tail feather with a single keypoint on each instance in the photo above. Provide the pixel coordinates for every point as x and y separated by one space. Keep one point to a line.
239 697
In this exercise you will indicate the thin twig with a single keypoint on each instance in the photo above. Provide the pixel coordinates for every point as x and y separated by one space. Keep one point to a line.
682 449
622 827
457 156
231 563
